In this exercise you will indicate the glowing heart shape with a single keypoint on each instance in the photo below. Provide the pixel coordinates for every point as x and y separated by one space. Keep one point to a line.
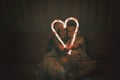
65 25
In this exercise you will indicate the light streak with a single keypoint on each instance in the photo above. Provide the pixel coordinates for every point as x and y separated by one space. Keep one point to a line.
65 26
56 34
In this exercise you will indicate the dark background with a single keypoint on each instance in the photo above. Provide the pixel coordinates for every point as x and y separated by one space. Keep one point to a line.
25 31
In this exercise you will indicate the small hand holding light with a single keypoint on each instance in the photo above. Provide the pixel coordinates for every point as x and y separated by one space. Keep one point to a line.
66 49
71 47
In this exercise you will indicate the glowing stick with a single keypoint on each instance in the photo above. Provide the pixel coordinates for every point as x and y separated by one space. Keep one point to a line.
76 30
65 25
56 34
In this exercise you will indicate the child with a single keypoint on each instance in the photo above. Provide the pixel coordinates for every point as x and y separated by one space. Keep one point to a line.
78 58
53 62
79 47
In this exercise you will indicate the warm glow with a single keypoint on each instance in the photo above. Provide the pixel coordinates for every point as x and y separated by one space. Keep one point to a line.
65 25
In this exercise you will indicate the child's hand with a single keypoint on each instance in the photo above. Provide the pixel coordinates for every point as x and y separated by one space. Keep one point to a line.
72 47
66 49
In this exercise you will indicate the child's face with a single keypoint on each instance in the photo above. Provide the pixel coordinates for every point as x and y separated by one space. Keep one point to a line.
62 31
71 30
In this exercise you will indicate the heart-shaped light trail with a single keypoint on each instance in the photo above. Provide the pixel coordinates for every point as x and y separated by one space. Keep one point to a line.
65 25
56 34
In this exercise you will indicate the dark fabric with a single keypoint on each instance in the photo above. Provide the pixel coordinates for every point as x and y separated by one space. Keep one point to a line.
94 16
88 51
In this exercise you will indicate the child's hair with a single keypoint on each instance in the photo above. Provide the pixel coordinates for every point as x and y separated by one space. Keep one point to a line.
71 23
57 26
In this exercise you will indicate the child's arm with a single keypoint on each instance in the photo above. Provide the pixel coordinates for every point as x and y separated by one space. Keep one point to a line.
80 42
60 46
